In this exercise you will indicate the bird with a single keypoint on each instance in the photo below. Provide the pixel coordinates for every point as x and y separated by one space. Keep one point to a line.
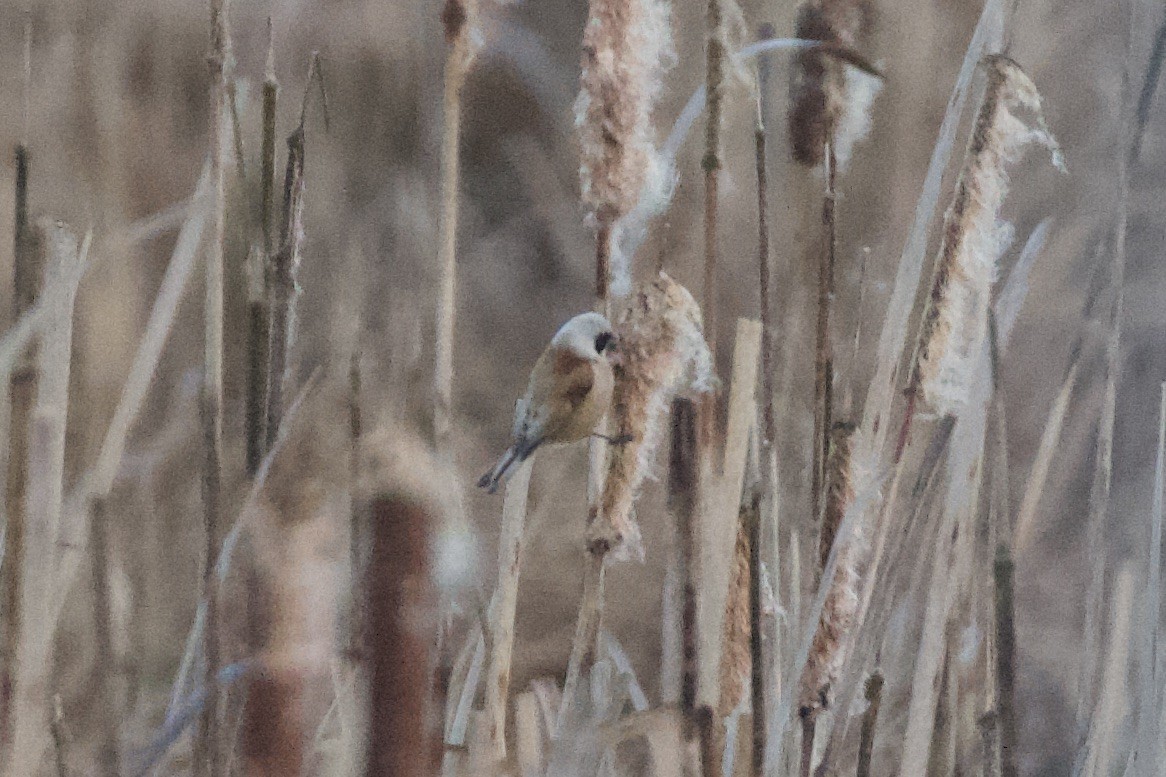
567 395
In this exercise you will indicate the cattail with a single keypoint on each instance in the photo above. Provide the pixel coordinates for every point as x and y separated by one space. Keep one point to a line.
956 320
831 100
627 44
828 652
663 354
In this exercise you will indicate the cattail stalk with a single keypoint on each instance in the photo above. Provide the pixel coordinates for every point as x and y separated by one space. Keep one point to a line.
459 18
43 505
208 762
716 45
358 528
823 348
683 498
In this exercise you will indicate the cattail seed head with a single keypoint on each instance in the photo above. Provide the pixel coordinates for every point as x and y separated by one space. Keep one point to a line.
663 354
974 237
627 45
828 652
829 98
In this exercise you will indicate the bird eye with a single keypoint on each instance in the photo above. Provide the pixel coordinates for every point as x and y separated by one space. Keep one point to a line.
603 341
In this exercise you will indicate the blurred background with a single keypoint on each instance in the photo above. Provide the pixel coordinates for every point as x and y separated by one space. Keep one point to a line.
118 128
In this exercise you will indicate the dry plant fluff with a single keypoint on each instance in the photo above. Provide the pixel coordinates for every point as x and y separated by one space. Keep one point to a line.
974 237
828 652
663 354
830 99
627 45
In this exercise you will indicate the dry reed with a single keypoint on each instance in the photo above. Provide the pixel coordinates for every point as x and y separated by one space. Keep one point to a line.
459 18
209 759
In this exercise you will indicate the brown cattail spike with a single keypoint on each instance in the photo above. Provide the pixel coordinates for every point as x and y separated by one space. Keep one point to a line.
828 97
956 319
828 652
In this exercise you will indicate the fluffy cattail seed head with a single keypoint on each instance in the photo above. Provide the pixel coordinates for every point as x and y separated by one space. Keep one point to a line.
828 652
663 354
829 98
627 45
974 237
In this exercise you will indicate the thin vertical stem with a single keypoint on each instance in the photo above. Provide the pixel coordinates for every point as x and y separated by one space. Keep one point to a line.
208 738
357 518
683 481
823 351
1006 660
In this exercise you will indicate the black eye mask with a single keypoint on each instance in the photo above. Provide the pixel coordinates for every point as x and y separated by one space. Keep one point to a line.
603 341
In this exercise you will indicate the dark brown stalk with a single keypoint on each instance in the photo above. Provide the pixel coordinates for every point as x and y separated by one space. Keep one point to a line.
1006 660
105 661
683 480
282 293
874 693
711 164
769 420
823 351
399 588
26 281
602 265
208 739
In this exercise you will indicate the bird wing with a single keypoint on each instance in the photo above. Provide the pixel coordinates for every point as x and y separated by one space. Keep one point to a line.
574 377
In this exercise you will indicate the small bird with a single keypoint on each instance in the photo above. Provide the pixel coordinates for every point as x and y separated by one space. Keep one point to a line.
568 393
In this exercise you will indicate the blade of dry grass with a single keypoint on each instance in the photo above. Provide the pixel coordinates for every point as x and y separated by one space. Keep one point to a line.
46 471
1046 450
505 605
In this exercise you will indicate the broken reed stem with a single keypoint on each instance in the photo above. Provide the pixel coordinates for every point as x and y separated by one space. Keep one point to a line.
458 19
282 290
1006 660
504 607
870 718
398 595
259 304
105 663
207 760
823 351
27 273
756 641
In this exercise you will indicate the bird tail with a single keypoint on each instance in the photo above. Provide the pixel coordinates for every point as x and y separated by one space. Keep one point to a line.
497 475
